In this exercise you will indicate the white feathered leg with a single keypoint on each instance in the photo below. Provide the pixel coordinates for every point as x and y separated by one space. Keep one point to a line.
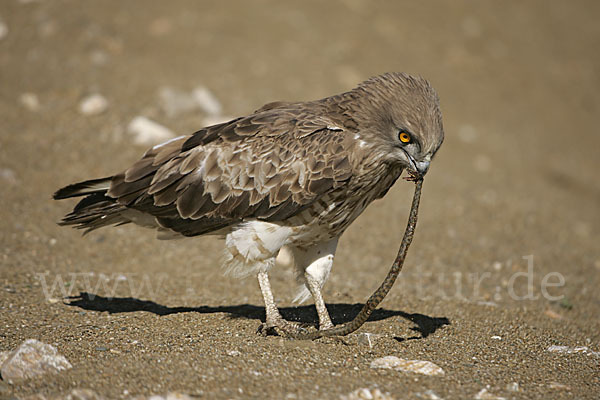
313 266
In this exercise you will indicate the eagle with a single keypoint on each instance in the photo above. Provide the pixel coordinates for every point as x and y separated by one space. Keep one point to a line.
293 174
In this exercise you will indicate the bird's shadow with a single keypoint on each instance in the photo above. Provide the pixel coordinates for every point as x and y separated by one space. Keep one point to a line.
340 313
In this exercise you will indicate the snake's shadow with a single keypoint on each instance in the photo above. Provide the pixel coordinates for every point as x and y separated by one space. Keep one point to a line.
340 313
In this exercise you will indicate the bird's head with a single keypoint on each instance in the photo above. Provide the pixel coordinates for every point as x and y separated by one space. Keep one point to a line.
399 117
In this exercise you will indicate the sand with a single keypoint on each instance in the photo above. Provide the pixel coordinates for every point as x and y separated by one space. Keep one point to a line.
506 258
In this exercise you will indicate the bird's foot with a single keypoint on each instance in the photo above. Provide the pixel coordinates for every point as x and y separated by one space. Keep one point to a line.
281 327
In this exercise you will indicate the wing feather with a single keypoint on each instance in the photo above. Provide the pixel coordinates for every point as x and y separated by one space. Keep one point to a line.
269 166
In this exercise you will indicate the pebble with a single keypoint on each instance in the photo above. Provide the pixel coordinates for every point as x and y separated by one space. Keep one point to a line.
147 132
558 386
496 337
206 101
30 101
8 175
30 359
415 366
367 394
367 338
168 396
483 394
429 394
572 350
93 104
553 314
175 102
3 30
513 387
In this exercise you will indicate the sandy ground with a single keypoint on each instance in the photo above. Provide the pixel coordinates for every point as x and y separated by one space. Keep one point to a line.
506 259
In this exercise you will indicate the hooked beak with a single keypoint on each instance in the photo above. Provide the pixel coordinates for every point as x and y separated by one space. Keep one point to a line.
418 167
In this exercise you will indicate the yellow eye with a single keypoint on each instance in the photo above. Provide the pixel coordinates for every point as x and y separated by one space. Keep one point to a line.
404 137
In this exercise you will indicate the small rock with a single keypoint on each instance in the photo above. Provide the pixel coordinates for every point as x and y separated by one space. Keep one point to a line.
93 105
367 394
8 175
147 132
496 337
483 394
83 394
367 338
572 350
429 394
207 101
234 353
415 366
3 30
175 102
513 387
168 396
32 358
30 101
558 386
99 57
487 303
553 314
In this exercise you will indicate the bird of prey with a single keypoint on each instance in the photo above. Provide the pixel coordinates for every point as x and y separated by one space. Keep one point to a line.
289 174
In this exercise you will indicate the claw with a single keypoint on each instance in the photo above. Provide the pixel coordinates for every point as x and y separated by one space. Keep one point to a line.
282 328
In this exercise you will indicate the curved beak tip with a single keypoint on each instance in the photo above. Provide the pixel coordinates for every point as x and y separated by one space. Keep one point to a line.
422 167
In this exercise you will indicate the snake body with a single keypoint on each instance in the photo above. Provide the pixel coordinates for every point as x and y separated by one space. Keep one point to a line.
386 285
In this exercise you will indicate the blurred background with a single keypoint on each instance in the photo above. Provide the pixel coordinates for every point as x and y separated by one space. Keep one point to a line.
86 87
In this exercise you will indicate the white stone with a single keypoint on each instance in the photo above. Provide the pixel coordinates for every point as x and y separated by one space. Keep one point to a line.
366 338
30 101
32 358
175 102
3 30
496 337
206 101
483 394
8 175
367 394
429 394
93 104
572 350
168 396
513 387
147 132
415 366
